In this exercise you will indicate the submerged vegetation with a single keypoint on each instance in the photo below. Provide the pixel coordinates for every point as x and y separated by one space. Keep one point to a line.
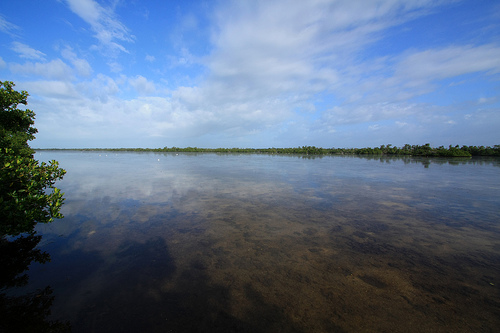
408 150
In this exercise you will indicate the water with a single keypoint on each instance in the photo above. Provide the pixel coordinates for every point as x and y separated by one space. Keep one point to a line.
265 243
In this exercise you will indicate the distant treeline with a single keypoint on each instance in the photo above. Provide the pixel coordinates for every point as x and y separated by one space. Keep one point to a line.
409 150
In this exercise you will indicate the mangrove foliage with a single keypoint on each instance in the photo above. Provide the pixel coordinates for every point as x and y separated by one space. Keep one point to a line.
406 150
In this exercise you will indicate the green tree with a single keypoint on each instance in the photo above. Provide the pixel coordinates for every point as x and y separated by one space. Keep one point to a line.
27 192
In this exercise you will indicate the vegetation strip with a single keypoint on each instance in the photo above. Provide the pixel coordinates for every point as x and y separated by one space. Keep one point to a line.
408 150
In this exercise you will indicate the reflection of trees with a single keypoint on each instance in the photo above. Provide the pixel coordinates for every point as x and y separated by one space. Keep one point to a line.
426 161
27 312
17 255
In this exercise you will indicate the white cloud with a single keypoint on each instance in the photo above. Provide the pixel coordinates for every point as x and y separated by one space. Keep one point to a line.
142 85
436 64
149 58
189 22
8 27
108 30
27 52
364 113
115 67
57 92
55 69
110 119
100 88
484 100
268 62
82 67
383 89
264 54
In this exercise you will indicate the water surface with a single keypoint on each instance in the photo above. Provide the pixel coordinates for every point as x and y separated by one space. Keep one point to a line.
264 243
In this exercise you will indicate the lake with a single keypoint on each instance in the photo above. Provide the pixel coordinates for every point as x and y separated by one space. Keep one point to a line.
187 242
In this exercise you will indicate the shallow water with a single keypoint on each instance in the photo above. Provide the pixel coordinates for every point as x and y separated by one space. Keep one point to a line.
266 243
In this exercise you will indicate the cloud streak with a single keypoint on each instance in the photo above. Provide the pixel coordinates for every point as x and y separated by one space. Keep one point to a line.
8 27
108 30
27 52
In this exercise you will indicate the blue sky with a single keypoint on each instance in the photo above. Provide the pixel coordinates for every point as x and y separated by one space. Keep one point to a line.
344 73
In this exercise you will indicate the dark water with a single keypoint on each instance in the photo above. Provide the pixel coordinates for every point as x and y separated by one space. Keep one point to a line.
263 243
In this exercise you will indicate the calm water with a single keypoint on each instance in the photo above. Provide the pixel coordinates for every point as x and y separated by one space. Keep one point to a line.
262 243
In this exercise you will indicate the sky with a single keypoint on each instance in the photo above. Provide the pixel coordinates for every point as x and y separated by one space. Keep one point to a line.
255 74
